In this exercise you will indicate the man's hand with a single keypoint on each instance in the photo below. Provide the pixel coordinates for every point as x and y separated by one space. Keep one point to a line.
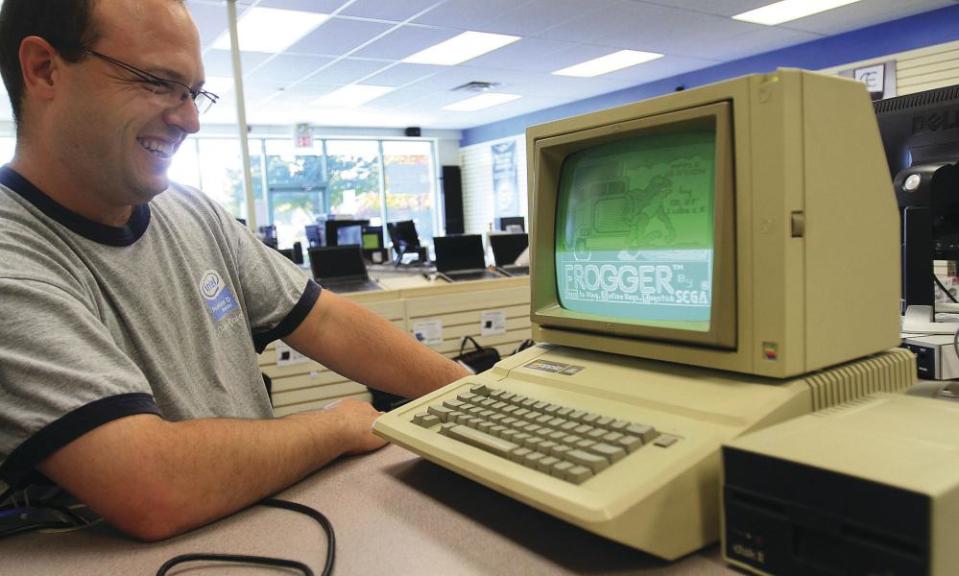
354 422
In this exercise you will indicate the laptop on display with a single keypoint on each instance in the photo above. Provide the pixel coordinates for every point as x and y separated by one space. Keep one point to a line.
506 249
341 269
460 258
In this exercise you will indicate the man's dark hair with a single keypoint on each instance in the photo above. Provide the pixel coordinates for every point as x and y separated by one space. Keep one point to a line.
66 24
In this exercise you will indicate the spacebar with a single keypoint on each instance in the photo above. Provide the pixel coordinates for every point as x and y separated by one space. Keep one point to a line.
482 440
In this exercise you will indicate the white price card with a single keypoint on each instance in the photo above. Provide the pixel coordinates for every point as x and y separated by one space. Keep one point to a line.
492 322
429 332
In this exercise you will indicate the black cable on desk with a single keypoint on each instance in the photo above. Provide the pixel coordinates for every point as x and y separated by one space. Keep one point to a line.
263 560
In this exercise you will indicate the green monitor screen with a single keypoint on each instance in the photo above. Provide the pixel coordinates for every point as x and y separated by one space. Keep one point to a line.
634 229
371 240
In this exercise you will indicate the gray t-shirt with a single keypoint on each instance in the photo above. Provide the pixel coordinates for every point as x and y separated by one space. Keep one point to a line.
165 315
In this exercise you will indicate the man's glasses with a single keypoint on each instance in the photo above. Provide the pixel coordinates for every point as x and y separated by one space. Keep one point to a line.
172 92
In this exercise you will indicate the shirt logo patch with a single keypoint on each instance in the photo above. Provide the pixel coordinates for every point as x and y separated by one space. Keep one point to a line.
219 297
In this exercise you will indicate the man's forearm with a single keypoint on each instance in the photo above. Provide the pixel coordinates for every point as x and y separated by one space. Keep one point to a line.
355 342
154 479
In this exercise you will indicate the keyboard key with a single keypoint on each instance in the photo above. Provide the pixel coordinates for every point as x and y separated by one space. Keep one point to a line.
585 444
453 404
557 422
519 454
564 412
440 412
561 469
612 437
546 463
577 415
445 428
597 433
629 443
618 425
552 408
532 459
645 433
426 420
608 451
482 440
666 440
479 389
592 461
604 422
583 429
466 397
497 393
590 418
579 474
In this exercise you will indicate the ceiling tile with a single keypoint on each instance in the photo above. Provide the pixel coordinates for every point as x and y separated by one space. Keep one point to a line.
402 73
534 17
320 6
220 62
532 54
338 36
284 69
468 14
344 71
405 41
863 14
393 11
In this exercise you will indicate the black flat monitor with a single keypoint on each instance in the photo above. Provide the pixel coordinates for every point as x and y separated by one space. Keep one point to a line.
920 135
459 252
268 235
336 235
511 224
314 235
403 235
507 247
328 262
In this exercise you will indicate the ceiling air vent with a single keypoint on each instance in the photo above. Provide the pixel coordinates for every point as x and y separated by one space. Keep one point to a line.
476 86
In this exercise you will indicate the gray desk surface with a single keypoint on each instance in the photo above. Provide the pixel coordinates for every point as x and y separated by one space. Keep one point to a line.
393 514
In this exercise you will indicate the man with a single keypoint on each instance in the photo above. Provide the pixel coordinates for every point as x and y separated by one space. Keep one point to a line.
132 309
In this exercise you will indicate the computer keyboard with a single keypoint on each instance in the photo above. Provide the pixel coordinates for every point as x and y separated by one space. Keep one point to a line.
623 447
561 441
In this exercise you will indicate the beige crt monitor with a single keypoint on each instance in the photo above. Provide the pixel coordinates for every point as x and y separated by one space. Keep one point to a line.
704 264
805 266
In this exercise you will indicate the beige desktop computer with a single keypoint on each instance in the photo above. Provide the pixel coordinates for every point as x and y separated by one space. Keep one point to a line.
697 265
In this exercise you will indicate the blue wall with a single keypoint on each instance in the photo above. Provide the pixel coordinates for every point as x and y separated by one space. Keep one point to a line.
917 31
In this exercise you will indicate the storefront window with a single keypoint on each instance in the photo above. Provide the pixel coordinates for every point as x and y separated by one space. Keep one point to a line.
409 184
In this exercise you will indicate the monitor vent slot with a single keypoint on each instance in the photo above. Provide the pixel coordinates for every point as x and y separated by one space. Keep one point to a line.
890 371
917 100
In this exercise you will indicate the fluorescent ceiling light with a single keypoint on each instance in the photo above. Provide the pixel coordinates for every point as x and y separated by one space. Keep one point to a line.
787 10
459 49
482 101
608 63
351 96
270 29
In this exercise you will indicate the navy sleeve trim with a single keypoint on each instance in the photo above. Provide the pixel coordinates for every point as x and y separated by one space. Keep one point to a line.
286 326
22 461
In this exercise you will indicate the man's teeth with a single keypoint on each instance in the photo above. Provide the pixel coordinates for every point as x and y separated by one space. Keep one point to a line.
159 148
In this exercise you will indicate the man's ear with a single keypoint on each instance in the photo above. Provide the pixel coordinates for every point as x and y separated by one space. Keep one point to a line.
39 66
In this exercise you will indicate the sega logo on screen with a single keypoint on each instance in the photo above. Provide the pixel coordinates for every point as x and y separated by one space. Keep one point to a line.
211 285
